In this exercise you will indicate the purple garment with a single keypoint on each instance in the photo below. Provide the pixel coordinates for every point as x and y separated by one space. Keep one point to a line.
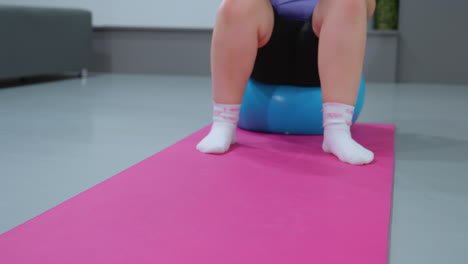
295 9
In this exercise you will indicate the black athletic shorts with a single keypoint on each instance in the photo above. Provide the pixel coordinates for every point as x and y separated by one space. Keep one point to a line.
290 56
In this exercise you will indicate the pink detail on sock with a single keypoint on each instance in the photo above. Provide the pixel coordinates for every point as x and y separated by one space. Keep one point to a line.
349 111
333 104
334 115
349 123
234 109
228 118
217 113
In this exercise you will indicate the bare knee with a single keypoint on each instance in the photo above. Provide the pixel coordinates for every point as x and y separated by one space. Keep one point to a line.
370 8
232 11
359 8
351 10
348 10
252 14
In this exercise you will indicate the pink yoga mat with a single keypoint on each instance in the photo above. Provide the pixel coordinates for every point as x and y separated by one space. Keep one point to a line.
272 199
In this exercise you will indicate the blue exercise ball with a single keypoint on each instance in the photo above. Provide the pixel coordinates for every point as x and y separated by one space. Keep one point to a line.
285 109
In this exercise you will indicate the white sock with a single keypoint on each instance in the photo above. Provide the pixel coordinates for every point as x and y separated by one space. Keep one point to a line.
337 120
223 129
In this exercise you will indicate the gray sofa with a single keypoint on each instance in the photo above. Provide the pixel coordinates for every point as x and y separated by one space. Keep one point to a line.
43 41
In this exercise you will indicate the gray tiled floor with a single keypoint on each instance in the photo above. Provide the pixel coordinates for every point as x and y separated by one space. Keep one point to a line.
58 139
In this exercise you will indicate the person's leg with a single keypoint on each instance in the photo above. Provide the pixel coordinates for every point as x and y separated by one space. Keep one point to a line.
242 26
341 26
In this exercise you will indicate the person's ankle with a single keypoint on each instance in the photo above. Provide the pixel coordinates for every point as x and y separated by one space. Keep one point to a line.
223 129
337 138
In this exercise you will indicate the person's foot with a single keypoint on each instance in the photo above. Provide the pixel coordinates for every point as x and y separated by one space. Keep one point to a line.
337 138
218 141
223 130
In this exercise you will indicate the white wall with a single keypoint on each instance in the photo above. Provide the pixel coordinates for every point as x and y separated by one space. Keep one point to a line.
197 14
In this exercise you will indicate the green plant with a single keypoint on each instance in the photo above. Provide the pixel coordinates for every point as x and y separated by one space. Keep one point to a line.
386 15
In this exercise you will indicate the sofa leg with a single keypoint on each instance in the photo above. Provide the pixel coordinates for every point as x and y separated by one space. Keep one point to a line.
84 73
84 76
